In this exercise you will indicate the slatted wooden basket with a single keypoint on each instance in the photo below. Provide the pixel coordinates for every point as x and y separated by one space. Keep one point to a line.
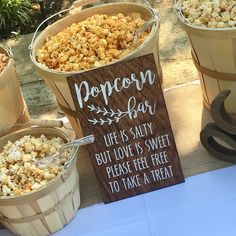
214 55
57 81
46 210
13 110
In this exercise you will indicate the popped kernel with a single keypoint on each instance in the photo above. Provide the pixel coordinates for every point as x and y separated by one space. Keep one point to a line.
3 61
18 172
96 41
210 13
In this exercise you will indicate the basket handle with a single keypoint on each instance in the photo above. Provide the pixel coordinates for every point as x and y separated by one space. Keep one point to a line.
81 3
8 49
46 123
76 4
180 13
154 11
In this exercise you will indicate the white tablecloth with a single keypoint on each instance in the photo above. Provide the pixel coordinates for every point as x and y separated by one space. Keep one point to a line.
204 205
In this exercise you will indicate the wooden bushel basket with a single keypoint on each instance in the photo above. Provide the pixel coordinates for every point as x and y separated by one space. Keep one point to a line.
48 209
56 80
214 55
13 110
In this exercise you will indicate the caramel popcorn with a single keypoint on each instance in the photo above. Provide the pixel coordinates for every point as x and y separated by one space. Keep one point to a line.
96 41
3 61
210 13
19 173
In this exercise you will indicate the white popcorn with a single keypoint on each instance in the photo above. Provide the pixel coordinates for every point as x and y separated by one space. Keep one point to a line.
197 22
212 24
28 147
221 25
36 186
18 172
5 190
225 17
207 13
48 176
3 178
26 158
231 23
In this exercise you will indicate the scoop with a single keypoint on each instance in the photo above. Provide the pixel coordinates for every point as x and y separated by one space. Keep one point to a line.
54 159
144 27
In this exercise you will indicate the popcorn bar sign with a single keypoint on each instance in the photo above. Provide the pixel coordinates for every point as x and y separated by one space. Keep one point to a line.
123 106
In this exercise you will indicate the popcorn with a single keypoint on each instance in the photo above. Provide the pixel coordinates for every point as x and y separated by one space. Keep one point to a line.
18 172
28 147
225 17
5 190
36 186
3 178
210 13
3 61
96 41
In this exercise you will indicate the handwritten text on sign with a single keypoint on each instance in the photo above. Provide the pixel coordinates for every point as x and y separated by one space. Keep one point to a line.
123 106
107 89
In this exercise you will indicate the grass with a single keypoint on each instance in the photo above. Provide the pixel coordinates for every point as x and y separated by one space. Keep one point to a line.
24 18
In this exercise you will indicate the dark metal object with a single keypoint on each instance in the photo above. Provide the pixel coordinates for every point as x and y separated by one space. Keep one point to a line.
219 138
209 135
220 115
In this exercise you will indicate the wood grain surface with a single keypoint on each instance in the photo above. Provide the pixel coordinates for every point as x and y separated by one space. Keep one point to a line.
188 116
134 150
186 124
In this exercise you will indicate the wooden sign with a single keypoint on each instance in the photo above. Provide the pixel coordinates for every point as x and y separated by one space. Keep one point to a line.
123 106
